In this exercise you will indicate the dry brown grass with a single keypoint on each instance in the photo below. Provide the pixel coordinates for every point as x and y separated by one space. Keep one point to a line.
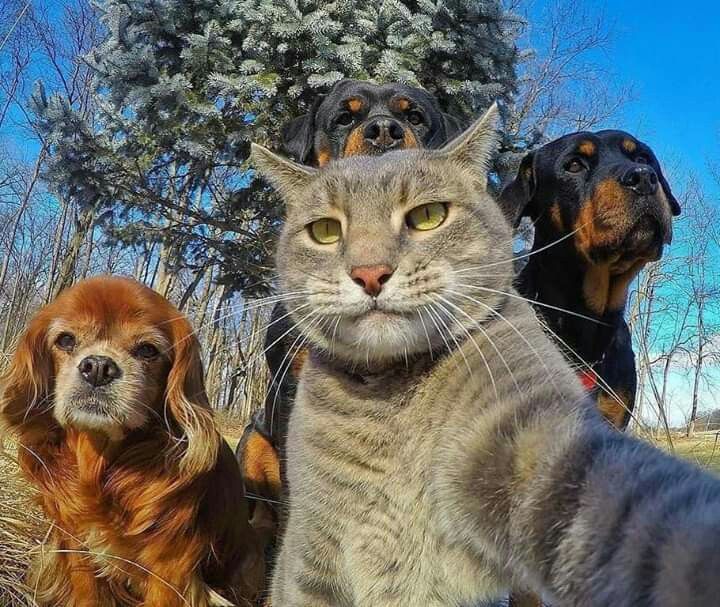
21 527
702 449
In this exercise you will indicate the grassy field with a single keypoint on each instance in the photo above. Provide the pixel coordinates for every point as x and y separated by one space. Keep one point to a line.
703 450
22 526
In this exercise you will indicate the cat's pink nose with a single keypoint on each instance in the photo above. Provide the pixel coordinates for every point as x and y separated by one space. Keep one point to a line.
371 278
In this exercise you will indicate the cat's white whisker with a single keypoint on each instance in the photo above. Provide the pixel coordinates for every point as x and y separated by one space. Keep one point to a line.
452 334
516 257
293 350
427 335
586 366
285 334
538 303
517 332
431 314
196 330
262 328
492 343
334 334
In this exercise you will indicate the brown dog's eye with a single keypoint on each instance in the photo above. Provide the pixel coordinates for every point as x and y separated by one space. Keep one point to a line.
65 341
642 159
145 351
574 166
415 117
344 118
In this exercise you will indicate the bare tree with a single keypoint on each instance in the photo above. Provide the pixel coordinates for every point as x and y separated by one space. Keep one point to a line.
702 286
561 87
674 310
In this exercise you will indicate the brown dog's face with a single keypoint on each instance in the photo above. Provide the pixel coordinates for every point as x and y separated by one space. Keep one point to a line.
111 366
358 118
113 356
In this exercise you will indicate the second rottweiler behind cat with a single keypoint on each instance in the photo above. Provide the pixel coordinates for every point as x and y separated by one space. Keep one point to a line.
354 118
602 209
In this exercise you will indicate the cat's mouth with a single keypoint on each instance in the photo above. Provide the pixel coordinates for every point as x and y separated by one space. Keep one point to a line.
378 310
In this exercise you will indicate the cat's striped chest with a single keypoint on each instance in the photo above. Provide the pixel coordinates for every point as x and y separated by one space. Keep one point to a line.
364 473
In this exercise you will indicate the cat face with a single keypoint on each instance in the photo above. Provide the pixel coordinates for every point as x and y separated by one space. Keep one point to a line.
387 257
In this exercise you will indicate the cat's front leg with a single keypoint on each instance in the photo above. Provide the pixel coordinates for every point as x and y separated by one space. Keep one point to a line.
585 513
298 580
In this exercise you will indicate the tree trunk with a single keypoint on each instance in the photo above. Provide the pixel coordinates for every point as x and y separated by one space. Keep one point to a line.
698 368
190 289
666 372
24 203
83 224
696 390
57 247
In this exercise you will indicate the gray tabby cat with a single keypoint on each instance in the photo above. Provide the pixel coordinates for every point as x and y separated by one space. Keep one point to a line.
441 449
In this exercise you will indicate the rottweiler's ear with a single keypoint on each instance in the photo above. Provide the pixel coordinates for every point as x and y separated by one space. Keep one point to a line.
517 196
674 204
298 136
288 177
475 147
449 128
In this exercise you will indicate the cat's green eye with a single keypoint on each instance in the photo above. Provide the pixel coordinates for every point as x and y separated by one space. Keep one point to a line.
325 231
427 216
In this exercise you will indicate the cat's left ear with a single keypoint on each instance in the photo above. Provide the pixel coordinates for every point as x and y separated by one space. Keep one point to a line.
475 147
286 176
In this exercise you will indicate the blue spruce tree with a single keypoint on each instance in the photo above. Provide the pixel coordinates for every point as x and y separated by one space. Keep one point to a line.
183 86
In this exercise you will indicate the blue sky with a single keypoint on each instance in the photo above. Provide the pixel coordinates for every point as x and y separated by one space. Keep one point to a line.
670 54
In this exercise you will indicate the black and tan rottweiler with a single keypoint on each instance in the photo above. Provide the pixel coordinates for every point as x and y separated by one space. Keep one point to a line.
602 209
354 118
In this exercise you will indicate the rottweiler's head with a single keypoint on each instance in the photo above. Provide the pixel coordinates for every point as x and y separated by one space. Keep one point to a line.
362 118
603 190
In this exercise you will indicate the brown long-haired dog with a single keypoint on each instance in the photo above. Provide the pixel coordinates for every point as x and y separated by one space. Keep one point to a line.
105 395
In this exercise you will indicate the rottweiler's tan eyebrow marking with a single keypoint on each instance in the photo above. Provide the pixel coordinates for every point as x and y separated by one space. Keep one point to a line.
587 148
399 104
354 104
629 145
403 104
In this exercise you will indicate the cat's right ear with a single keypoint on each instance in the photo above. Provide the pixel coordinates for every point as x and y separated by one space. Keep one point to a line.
474 148
286 176
516 199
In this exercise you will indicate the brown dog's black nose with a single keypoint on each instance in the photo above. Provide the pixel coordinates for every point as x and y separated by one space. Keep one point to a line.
371 278
98 370
384 132
641 179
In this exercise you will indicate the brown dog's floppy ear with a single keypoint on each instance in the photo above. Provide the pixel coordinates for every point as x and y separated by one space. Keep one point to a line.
298 136
674 204
517 196
26 395
187 403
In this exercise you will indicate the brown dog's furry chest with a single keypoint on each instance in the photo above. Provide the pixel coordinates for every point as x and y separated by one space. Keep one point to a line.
110 515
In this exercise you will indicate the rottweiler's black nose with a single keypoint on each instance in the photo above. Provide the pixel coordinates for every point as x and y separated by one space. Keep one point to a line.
641 179
98 370
384 132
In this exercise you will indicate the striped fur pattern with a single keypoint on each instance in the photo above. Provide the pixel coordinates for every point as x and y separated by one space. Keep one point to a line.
441 450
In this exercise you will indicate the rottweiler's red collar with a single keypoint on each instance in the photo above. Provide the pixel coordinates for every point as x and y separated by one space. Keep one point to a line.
588 378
